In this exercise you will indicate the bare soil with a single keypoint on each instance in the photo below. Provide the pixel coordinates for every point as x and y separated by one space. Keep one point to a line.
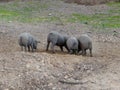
90 2
41 70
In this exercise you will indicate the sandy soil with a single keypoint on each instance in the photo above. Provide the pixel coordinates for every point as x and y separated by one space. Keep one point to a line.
43 70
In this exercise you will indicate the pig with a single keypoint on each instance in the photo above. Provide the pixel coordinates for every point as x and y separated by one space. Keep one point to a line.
72 44
85 43
27 40
56 39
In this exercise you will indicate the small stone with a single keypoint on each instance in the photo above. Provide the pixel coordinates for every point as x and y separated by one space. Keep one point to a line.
50 14
54 88
66 77
9 21
6 89
50 84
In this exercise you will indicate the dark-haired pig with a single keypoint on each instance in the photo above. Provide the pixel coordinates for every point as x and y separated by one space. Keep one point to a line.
85 43
56 39
26 40
72 44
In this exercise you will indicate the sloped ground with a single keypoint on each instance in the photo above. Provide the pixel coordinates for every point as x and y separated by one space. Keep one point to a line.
43 70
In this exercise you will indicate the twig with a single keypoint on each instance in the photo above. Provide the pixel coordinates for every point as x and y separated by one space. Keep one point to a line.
71 81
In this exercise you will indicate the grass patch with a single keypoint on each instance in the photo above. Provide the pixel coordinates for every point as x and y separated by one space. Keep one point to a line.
111 19
75 17
35 12
105 21
115 4
8 15
26 12
23 11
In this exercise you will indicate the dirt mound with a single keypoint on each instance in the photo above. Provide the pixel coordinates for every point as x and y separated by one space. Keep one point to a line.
61 71
41 70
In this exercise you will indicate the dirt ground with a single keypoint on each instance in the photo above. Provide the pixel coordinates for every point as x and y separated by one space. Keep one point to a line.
43 70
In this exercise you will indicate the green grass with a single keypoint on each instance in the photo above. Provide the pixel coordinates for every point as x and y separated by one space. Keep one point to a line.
36 12
7 15
75 17
113 4
112 18
97 20
28 12
106 21
109 19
